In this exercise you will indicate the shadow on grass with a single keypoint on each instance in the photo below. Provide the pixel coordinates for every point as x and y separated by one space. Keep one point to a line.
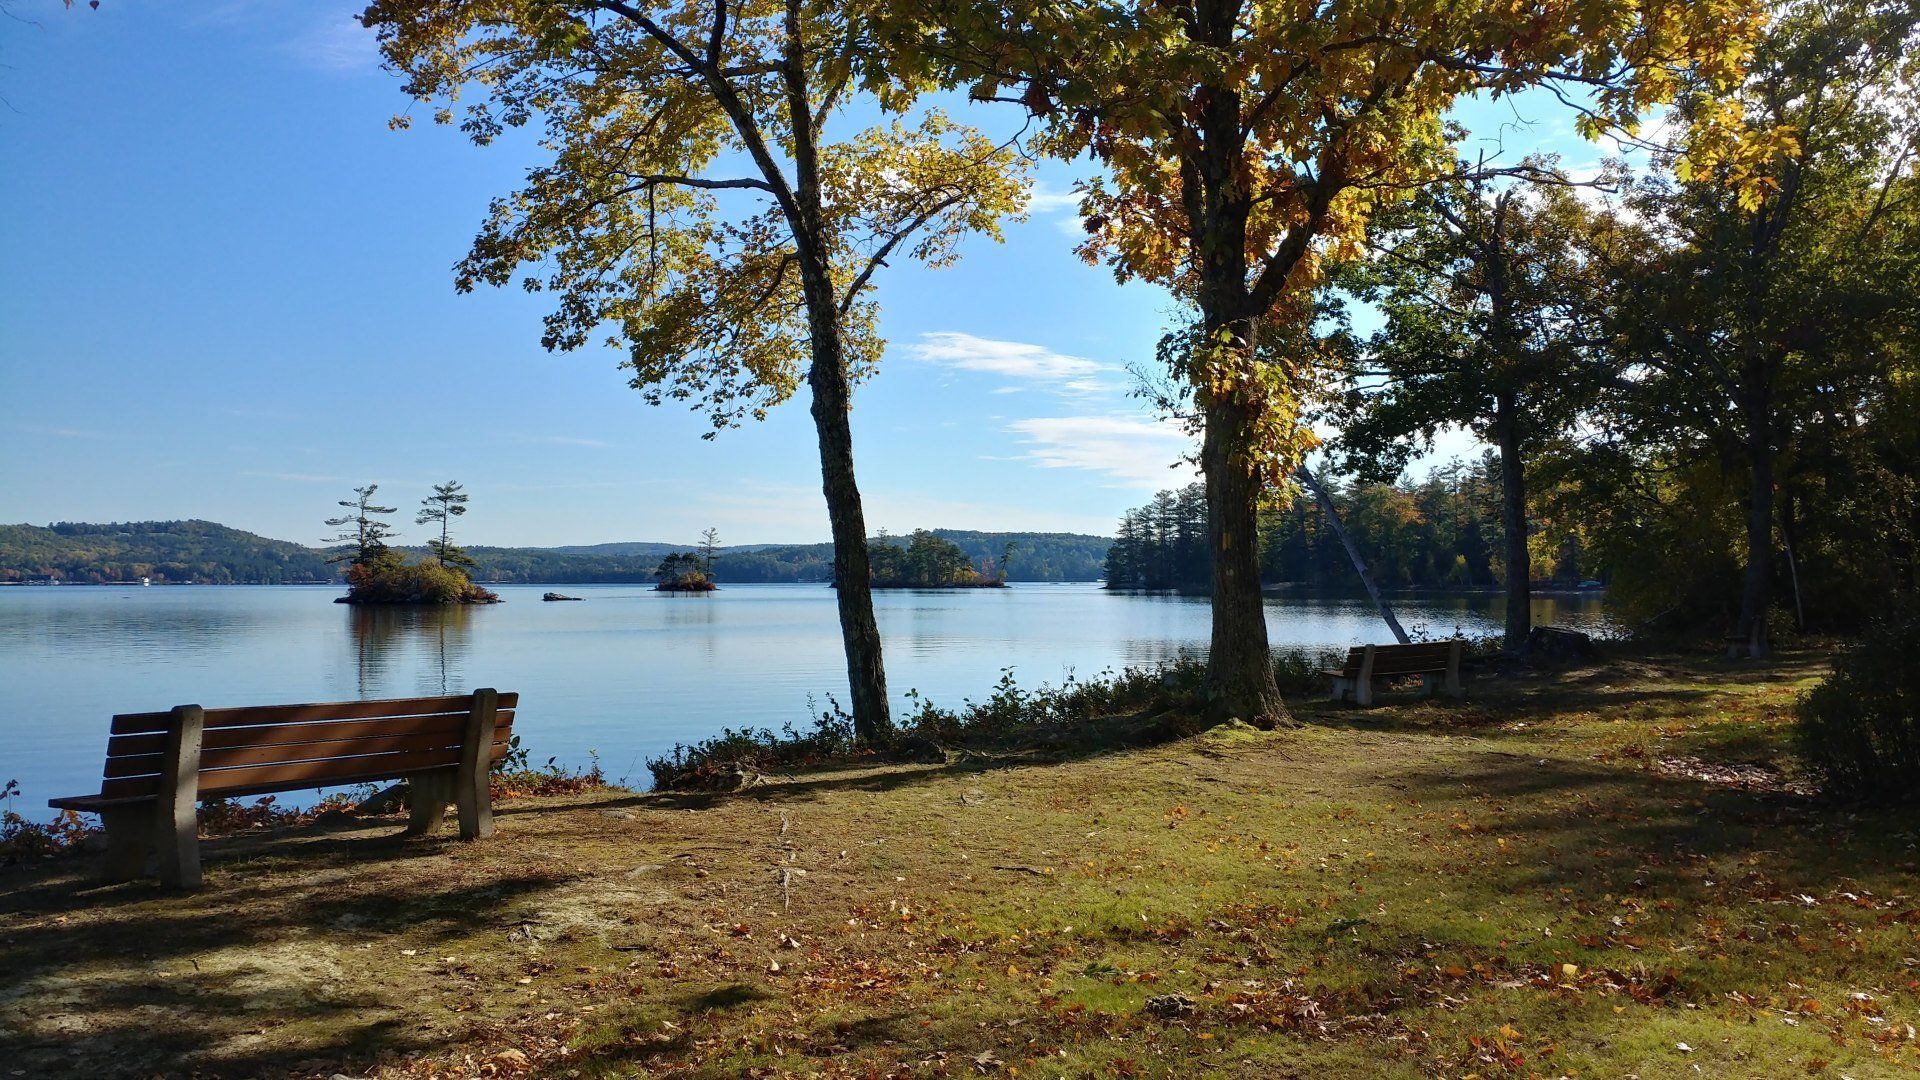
123 990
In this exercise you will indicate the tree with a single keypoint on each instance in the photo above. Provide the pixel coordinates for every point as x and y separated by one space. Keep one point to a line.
1245 144
363 529
446 503
1752 317
709 550
680 567
716 285
1491 302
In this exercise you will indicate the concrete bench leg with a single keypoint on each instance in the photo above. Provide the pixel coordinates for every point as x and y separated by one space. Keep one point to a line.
129 841
177 820
428 796
473 792
1342 688
1363 680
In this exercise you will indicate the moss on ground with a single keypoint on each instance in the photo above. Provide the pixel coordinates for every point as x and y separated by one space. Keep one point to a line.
1601 871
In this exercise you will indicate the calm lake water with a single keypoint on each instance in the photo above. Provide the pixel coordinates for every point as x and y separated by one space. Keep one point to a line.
627 673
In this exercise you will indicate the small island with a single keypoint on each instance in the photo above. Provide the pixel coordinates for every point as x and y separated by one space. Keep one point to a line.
379 575
933 562
690 571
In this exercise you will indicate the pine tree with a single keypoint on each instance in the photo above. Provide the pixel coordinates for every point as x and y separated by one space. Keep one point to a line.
446 503
362 527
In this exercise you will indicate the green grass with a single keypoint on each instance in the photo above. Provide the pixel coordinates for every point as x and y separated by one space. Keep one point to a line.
1525 883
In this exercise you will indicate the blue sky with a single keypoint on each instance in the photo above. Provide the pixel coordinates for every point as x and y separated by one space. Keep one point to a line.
228 295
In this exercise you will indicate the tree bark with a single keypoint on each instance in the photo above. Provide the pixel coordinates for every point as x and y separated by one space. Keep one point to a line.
1756 583
1513 523
1788 527
828 381
1240 682
852 573
1353 553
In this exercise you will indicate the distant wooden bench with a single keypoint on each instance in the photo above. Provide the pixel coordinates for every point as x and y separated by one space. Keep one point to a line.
1436 662
161 764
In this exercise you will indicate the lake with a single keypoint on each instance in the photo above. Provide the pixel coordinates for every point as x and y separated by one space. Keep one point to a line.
627 673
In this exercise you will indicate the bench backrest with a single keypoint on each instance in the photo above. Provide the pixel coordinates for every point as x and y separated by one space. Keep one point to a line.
1419 658
269 748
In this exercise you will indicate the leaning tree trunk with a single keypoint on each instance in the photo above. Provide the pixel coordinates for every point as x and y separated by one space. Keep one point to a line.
1332 513
852 573
1513 523
1756 583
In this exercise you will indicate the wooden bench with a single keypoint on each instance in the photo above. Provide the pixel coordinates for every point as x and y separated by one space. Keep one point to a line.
161 764
1436 662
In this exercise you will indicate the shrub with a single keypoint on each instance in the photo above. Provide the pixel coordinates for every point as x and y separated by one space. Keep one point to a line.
1009 715
1859 730
1297 671
516 777
394 582
21 839
720 761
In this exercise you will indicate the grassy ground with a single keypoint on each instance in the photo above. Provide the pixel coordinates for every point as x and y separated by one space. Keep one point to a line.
1603 872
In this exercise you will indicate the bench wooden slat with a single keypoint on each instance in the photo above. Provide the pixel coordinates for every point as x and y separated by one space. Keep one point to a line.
294 776
233 757
261 715
1418 658
324 731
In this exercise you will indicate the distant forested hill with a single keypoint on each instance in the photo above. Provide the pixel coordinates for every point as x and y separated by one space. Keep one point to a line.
166 551
204 552
1036 557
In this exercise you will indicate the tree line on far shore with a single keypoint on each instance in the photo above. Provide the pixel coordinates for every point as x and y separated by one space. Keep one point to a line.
1440 532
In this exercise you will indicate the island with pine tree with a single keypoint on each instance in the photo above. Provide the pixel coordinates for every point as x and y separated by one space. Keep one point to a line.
690 571
929 561
377 574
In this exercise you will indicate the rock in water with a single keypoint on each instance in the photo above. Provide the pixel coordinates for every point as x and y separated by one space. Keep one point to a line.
558 596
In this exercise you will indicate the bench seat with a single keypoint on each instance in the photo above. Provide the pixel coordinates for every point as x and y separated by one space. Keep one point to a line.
1436 662
160 765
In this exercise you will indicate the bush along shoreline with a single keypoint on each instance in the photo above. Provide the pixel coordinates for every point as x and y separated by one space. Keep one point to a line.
1132 706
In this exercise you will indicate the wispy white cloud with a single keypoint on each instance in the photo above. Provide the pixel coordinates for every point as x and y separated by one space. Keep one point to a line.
1059 205
1130 451
901 512
1047 199
60 432
336 43
1011 359
249 412
563 440
298 478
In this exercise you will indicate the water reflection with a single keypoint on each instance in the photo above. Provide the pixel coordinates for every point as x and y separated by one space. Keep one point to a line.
430 643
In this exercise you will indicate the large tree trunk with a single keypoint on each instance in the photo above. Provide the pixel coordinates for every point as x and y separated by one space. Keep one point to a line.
1513 522
1756 584
1240 682
866 673
1353 553
832 401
